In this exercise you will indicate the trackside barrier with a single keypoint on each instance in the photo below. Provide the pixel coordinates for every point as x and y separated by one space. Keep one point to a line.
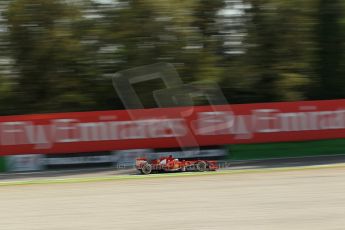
172 127
125 159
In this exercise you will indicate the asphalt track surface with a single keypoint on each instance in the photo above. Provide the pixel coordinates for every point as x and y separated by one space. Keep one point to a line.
297 198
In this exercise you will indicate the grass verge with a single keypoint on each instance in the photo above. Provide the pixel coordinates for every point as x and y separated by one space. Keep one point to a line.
287 149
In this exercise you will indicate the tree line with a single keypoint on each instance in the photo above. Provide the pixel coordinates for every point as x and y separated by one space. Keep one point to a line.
58 56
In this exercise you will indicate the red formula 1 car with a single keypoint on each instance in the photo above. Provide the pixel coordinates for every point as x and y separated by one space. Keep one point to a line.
170 164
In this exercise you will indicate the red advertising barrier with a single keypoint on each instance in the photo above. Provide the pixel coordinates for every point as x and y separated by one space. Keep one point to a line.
171 127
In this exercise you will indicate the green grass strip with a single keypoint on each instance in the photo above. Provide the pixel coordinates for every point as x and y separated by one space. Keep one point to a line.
286 149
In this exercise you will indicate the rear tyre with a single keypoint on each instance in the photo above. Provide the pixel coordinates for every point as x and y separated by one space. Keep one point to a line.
146 169
201 166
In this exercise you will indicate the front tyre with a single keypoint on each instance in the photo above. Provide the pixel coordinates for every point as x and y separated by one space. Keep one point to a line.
146 169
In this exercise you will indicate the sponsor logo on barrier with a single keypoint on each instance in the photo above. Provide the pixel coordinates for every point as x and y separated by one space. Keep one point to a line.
73 130
81 160
23 163
206 124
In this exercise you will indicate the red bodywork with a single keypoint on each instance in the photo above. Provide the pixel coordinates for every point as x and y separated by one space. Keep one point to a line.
170 164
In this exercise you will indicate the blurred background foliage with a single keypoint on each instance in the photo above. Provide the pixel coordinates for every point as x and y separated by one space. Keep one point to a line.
59 55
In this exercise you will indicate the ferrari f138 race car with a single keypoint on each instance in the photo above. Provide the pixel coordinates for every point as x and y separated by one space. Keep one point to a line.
170 164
